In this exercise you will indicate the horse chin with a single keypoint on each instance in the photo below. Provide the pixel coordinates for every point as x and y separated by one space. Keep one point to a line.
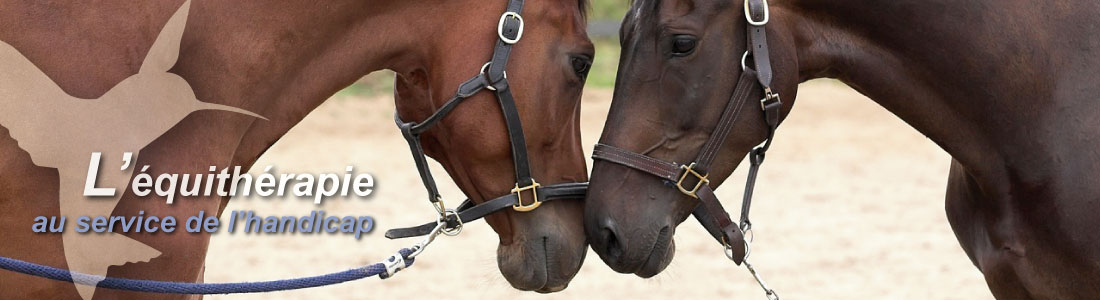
664 248
542 264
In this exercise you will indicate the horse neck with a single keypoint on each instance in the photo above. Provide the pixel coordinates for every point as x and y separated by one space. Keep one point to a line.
972 76
282 62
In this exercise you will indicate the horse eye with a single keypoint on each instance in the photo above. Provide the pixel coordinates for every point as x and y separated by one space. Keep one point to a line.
581 66
683 45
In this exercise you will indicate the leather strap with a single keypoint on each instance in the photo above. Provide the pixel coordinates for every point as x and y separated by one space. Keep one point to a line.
515 135
411 132
758 43
730 234
510 28
729 116
469 212
664 170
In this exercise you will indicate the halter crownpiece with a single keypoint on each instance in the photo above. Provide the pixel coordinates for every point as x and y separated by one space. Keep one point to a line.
494 78
692 179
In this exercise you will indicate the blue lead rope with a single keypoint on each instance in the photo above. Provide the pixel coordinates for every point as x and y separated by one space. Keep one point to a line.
169 287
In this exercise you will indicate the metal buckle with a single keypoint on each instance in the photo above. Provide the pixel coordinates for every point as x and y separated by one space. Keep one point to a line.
484 72
768 96
690 170
748 14
519 206
500 28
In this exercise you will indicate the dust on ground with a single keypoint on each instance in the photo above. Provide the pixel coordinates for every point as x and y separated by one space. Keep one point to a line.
849 206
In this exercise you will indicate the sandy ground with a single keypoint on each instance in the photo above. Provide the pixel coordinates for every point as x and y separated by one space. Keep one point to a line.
849 206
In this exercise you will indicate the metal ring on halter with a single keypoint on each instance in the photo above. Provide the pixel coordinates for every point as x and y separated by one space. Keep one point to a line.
500 28
748 15
484 70
450 231
744 58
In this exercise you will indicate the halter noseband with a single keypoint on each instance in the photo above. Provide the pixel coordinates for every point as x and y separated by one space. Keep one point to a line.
691 179
492 77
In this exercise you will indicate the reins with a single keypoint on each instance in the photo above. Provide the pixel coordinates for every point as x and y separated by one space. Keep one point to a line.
691 179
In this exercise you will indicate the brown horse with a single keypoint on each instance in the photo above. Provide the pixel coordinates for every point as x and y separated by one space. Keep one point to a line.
281 60
1008 88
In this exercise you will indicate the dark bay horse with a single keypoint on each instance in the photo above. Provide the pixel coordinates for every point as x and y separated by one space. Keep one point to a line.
280 60
1008 88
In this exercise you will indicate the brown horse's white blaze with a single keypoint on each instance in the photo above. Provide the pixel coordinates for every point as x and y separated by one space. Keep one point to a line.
281 60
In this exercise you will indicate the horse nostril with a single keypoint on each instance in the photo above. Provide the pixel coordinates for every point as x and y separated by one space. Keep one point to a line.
614 250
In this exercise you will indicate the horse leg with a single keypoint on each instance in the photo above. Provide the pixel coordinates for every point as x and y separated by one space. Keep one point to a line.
972 217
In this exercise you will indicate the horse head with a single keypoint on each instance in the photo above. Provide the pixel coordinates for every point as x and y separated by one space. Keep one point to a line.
680 62
542 249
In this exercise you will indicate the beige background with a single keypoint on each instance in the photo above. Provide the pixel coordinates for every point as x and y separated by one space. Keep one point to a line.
849 206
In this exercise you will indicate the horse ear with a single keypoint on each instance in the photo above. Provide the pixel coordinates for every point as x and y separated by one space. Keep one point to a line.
166 49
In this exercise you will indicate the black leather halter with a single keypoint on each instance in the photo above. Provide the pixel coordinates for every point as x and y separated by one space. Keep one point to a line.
493 78
691 179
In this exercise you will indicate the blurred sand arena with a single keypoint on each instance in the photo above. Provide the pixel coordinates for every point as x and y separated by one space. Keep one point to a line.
848 206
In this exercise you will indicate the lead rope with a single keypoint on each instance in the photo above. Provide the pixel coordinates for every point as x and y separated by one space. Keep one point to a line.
770 105
755 160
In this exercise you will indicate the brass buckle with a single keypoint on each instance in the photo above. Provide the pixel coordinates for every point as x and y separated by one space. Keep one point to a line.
519 206
690 170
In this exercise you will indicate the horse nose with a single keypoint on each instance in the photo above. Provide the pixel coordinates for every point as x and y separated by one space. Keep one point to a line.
608 243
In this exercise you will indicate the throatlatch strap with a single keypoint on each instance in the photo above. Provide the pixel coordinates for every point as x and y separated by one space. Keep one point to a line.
420 159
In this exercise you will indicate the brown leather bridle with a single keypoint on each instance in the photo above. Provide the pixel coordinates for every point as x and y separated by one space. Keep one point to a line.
691 178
